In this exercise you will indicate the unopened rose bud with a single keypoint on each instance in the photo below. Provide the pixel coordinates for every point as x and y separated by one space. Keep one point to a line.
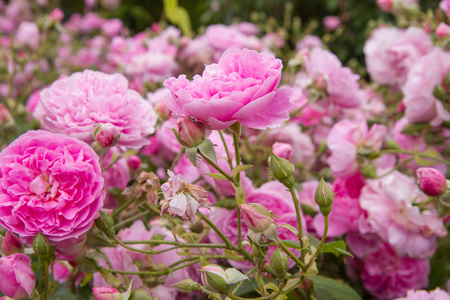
106 135
324 197
162 110
443 30
191 133
56 15
431 181
105 223
368 171
283 150
186 285
134 162
439 92
256 217
43 248
106 293
279 263
18 278
282 170
214 278
11 244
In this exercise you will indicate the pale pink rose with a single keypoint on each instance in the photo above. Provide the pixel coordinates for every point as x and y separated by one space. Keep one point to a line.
272 40
331 22
197 53
18 278
425 75
372 106
443 30
50 183
90 22
28 34
302 146
61 272
156 99
283 150
308 42
274 196
345 140
386 5
386 276
436 294
166 137
362 244
391 214
391 52
112 27
76 104
56 15
340 83
445 6
246 28
241 87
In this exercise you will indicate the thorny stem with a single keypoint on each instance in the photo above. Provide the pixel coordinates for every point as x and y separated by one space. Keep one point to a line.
215 166
226 149
292 255
299 219
322 241
402 151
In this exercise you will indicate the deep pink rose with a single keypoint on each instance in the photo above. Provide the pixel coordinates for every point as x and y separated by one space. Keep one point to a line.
106 293
49 183
425 75
76 104
18 278
241 87
391 52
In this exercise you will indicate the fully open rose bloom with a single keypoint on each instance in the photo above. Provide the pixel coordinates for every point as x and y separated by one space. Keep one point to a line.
76 104
436 294
241 87
49 183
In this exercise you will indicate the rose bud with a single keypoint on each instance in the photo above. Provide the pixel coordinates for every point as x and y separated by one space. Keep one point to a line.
282 150
443 30
18 279
282 170
106 135
134 162
11 244
256 217
279 263
191 133
106 293
214 277
324 197
42 248
431 181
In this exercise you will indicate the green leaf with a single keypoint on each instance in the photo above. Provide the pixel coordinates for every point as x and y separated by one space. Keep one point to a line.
337 248
191 153
290 228
178 16
127 294
239 169
291 244
110 278
271 286
217 176
327 288
233 255
207 149
234 276
423 162
128 153
236 128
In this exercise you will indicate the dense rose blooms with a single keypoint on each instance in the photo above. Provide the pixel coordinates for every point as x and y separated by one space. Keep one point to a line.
49 183
345 140
76 104
339 82
391 214
391 52
17 276
387 276
445 6
420 103
436 294
241 87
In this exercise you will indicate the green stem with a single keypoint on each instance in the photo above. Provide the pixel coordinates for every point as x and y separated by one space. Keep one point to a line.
230 162
131 219
237 155
215 166
217 230
256 166
292 255
174 243
402 151
234 297
175 160
154 273
395 168
299 219
322 241
239 226
122 207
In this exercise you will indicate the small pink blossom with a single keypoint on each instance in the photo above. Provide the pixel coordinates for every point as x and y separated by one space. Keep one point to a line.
331 22
106 293
346 138
76 104
241 87
391 52
431 181
283 150
443 30
28 34
56 15
308 42
18 278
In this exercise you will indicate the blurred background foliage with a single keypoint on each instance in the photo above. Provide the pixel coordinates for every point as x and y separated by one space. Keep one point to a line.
358 17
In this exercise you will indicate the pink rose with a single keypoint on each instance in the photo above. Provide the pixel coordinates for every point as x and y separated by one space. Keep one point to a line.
76 104
28 34
61 272
425 75
241 87
106 293
387 276
436 294
391 52
391 213
339 82
345 140
17 276
431 181
445 6
331 22
443 30
308 42
49 183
